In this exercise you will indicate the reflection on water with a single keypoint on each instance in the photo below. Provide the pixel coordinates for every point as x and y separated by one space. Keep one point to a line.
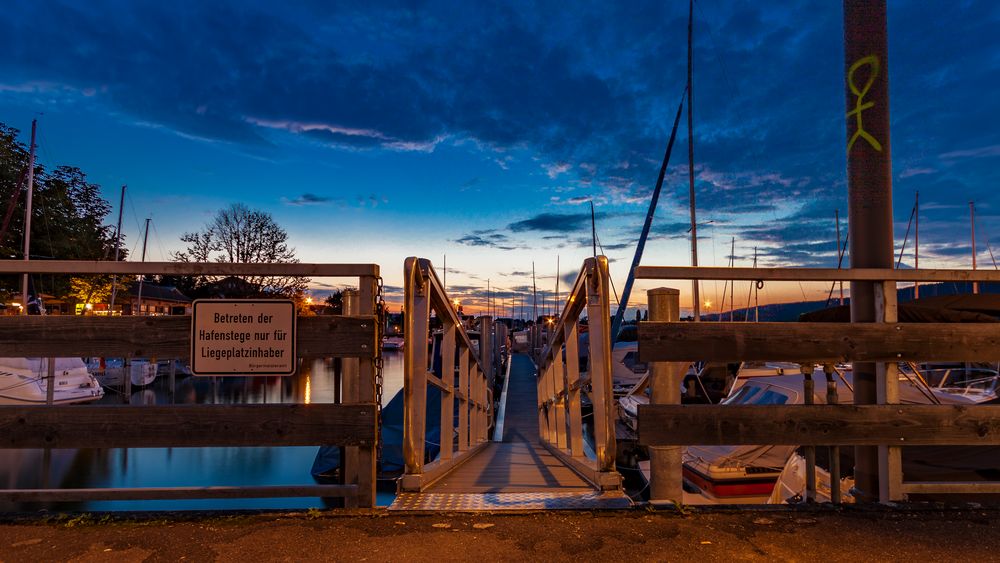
192 467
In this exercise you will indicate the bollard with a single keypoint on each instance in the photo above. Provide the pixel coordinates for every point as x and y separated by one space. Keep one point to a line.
808 388
832 398
665 465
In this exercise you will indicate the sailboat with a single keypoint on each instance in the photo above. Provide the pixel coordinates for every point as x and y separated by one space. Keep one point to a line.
113 371
25 381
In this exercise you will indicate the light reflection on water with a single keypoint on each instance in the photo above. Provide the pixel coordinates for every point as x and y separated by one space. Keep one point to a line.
192 467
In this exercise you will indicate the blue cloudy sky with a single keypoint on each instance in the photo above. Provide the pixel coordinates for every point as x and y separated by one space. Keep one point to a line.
378 130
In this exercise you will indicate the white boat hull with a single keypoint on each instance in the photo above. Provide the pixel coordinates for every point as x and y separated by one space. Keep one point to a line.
23 381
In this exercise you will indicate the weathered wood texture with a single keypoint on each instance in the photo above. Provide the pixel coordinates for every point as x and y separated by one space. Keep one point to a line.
164 337
812 274
186 426
819 425
175 493
83 267
818 342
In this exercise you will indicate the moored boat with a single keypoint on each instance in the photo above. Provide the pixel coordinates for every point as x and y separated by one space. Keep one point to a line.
24 381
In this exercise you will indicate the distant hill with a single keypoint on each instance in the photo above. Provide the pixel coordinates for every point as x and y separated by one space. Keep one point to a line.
789 312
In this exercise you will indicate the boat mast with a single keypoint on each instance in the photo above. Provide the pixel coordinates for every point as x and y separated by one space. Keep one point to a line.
916 242
144 239
690 115
27 216
593 228
732 283
840 255
556 302
118 242
972 222
756 287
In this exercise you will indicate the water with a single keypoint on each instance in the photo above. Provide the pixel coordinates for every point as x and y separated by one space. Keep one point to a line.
192 467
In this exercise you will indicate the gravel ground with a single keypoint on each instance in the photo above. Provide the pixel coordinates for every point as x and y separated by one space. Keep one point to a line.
826 535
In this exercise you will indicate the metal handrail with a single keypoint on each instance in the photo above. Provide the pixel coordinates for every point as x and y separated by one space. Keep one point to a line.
424 293
561 385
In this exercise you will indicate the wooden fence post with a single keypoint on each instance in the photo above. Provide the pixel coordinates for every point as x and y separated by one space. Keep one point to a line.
350 395
665 465
367 462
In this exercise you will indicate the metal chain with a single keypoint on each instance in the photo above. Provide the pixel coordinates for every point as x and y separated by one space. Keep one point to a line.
381 316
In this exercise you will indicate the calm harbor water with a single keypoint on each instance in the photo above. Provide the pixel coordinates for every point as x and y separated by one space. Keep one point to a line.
192 467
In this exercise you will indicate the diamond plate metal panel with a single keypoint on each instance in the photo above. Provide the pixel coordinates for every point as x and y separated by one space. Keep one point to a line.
490 502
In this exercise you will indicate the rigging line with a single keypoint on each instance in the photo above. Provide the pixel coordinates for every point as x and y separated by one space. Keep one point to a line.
905 237
840 262
617 300
991 255
159 242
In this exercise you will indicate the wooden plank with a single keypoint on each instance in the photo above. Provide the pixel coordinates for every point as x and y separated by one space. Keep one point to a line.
945 487
122 426
367 462
175 493
820 425
812 274
435 470
83 267
818 342
163 337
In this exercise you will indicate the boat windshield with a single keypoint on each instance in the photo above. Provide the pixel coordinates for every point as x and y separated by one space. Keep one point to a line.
757 395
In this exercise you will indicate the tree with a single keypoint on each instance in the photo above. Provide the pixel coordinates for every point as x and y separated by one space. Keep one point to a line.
67 221
245 236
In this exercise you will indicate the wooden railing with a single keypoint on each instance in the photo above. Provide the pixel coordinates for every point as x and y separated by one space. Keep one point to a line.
465 389
670 347
353 425
561 384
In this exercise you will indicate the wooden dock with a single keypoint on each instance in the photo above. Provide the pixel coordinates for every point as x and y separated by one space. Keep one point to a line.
518 473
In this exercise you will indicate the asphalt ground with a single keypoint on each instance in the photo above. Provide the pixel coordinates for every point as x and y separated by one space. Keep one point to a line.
969 534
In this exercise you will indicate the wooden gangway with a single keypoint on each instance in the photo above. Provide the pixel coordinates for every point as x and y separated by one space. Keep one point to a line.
538 460
516 473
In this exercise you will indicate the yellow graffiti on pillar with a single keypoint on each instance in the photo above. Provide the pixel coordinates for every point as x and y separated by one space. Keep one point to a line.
860 104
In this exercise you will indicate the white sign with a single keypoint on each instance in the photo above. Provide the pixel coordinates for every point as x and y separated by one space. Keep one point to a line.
243 337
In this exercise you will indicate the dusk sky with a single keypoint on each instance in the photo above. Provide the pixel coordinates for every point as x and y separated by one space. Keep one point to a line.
481 130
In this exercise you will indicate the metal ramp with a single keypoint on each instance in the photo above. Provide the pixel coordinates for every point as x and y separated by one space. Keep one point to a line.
518 473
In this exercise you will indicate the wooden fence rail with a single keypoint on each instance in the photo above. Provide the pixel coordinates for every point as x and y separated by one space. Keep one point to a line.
353 336
818 342
121 426
671 346
165 337
820 425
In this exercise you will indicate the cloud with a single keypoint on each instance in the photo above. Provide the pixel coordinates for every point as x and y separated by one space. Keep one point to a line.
306 199
554 170
488 238
979 152
911 172
554 223
514 84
